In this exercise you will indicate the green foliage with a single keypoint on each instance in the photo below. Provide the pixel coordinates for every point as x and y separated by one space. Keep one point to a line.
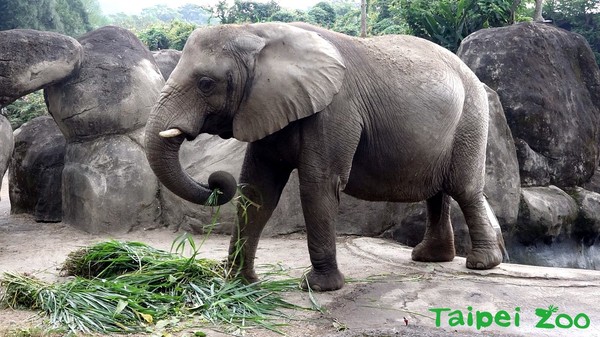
284 15
70 17
167 36
448 22
25 109
161 12
194 14
127 287
155 37
245 11
348 23
322 14
179 31
579 16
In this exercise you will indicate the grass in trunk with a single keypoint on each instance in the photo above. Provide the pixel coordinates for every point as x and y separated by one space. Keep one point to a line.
129 286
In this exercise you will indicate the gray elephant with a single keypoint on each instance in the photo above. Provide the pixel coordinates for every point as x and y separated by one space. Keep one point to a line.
6 145
392 118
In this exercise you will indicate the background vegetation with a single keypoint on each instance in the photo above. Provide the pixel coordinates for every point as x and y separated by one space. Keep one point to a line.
446 22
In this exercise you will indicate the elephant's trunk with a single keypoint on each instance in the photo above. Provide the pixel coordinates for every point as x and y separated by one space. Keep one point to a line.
162 151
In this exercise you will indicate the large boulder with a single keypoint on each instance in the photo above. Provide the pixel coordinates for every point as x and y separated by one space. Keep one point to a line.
546 214
107 183
31 60
113 92
549 85
35 170
557 228
112 190
6 145
166 60
586 228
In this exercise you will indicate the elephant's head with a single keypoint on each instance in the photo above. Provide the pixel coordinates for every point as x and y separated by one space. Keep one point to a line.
236 81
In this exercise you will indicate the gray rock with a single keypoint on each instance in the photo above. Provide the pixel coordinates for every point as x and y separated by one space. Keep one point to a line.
586 228
107 183
548 82
6 145
35 170
546 214
594 183
166 60
114 90
502 179
109 187
31 60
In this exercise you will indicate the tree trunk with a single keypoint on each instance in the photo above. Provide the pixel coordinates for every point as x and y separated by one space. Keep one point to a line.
537 16
363 18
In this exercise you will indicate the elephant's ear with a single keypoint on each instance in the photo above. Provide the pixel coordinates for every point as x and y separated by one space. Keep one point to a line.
295 74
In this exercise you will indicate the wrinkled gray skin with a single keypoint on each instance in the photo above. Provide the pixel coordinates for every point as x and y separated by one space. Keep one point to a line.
7 144
391 118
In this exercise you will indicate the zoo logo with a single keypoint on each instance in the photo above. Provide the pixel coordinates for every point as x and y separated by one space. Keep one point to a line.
484 319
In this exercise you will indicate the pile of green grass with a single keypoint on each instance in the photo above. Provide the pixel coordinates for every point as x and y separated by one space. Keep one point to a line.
127 287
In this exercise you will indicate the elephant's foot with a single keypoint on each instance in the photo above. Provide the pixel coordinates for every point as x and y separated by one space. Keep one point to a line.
332 280
434 251
248 276
484 255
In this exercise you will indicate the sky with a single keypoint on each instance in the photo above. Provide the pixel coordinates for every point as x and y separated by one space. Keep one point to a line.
135 6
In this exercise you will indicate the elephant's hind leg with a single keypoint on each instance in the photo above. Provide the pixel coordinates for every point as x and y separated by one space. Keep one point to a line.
485 250
438 242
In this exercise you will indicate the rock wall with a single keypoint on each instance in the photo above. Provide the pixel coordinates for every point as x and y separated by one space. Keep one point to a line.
549 85
31 60
166 60
107 183
36 170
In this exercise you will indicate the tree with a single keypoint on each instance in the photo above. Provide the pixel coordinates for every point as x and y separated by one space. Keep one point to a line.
363 18
161 12
167 36
179 32
155 37
579 16
284 15
322 14
74 17
69 17
448 22
25 109
245 11
194 14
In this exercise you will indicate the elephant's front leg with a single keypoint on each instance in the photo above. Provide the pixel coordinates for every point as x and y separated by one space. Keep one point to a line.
262 183
320 203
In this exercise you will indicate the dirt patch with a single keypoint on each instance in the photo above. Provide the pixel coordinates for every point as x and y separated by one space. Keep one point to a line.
383 285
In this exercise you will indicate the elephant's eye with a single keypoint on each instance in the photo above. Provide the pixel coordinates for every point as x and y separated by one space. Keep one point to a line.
206 84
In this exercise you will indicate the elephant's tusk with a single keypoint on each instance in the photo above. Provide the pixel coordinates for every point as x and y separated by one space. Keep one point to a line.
170 133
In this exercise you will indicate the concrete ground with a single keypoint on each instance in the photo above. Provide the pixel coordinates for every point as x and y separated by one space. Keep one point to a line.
384 286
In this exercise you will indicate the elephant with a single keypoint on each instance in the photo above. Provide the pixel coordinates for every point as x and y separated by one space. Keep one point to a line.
7 145
390 118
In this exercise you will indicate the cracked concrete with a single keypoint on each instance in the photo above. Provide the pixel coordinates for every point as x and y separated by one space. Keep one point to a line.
383 285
